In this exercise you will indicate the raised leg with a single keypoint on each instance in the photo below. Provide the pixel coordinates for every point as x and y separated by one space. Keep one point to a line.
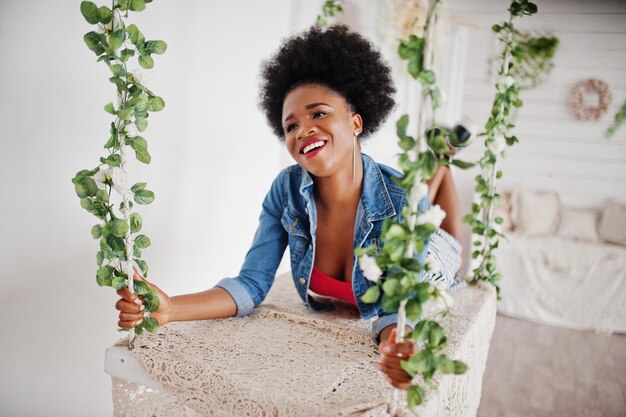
441 190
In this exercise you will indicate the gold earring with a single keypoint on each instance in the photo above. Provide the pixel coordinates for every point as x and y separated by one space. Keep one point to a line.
355 134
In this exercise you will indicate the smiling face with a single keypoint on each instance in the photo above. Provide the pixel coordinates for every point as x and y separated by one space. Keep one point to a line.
318 125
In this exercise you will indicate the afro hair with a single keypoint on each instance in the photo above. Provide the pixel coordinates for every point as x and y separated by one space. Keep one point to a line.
342 60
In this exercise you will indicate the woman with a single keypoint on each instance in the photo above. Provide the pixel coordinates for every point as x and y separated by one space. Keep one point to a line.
322 93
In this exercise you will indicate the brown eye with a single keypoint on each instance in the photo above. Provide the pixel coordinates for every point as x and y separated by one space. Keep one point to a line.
290 127
320 113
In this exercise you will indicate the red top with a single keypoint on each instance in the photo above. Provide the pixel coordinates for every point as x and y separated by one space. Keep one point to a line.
322 284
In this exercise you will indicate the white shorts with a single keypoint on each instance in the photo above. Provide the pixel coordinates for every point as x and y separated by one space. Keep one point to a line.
445 252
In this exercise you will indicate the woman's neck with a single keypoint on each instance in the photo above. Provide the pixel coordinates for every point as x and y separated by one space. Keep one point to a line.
339 189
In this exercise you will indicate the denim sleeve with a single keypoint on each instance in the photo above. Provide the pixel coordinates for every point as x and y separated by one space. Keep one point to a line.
387 319
257 274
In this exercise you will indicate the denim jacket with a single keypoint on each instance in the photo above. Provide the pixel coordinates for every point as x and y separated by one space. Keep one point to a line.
289 217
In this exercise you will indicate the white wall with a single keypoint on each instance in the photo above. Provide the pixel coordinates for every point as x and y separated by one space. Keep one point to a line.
213 160
557 151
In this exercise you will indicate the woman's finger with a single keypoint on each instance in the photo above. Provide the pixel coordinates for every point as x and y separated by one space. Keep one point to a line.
132 317
128 324
129 296
399 349
126 307
393 363
399 375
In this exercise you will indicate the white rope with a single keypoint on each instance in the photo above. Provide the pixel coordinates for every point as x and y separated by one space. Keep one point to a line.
128 243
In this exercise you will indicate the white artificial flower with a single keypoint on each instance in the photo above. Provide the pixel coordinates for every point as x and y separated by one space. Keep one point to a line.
509 81
439 298
119 180
497 145
131 130
112 176
102 177
434 216
434 265
139 77
422 190
370 268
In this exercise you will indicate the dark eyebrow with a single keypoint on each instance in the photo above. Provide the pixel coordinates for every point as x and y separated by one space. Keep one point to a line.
308 106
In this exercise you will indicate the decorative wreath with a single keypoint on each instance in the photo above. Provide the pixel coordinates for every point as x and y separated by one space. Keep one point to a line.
588 87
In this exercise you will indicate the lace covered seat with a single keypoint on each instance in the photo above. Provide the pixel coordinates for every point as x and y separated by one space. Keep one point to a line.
285 360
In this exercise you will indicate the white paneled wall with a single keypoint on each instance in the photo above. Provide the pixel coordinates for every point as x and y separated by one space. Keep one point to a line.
556 151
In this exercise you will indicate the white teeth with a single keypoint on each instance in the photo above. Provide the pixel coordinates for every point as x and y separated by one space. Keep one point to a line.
313 146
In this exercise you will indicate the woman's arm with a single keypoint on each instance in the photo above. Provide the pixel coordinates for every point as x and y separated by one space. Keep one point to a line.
211 304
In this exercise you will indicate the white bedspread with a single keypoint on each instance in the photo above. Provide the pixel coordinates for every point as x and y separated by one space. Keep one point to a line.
577 285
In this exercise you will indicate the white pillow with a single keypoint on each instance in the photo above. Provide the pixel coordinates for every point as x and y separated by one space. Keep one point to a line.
536 212
613 223
579 224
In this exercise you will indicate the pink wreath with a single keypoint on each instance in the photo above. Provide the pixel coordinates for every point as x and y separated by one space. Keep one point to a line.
590 86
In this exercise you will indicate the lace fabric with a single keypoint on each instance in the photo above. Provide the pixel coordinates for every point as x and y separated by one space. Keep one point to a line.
285 360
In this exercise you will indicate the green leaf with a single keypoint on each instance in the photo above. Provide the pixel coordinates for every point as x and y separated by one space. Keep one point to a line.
102 195
117 38
135 35
86 187
146 61
138 186
144 197
426 77
104 275
139 102
125 54
119 227
401 126
459 367
109 108
155 47
414 396
391 287
135 222
90 12
111 142
125 114
413 309
143 266
137 5
445 365
105 14
141 123
371 295
415 67
156 104
99 258
92 40
436 336
117 70
389 305
462 164
140 146
142 241
96 231
113 160
118 283
151 324
141 287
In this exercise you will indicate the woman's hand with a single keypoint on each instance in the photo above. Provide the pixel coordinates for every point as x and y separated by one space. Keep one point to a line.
132 309
392 353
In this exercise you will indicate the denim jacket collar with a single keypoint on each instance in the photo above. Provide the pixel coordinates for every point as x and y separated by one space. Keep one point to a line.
375 198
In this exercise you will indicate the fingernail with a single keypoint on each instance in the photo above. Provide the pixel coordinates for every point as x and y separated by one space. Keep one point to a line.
137 301
137 322
146 314
142 307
